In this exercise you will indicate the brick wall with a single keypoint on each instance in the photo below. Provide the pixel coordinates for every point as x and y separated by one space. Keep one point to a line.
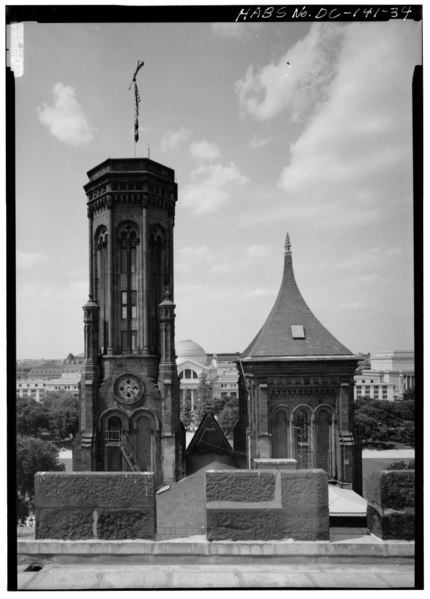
95 505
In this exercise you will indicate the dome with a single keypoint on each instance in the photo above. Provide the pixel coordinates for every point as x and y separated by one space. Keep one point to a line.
190 350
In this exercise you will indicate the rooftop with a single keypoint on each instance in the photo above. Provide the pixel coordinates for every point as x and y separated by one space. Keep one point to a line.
291 329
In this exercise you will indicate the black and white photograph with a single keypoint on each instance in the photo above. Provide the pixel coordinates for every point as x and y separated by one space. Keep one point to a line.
214 315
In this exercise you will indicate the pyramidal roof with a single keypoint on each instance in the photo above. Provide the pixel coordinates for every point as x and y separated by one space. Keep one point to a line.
291 328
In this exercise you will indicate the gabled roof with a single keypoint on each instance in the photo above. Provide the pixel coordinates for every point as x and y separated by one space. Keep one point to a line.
209 438
291 328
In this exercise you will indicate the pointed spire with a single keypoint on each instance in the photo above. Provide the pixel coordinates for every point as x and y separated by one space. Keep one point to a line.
291 329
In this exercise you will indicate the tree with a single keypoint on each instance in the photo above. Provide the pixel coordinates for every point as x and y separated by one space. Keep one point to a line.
384 421
409 394
62 413
229 415
186 416
30 416
32 455
206 403
401 465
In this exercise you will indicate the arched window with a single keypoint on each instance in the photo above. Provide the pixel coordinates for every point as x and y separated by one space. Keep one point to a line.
112 442
301 438
323 444
301 423
157 270
101 283
280 437
128 242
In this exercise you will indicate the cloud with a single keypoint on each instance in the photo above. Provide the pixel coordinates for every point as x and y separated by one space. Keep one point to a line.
260 292
234 30
255 143
211 181
352 306
350 166
27 259
366 279
297 80
172 139
190 257
362 259
204 150
249 256
258 251
357 147
65 119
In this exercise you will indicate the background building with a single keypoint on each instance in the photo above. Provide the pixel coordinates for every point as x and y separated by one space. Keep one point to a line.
193 361
34 377
391 373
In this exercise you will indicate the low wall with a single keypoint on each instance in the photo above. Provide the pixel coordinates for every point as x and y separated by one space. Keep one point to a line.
390 498
95 505
275 464
267 505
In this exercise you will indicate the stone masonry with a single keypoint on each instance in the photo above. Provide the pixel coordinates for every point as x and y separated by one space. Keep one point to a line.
267 505
95 505
390 498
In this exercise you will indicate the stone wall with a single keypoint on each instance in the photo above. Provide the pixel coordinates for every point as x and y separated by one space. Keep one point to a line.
267 505
95 505
390 498
275 464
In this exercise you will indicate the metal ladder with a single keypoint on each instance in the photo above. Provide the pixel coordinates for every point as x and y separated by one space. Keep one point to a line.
118 439
129 454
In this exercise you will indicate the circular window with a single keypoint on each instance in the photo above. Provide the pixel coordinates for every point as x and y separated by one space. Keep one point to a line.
128 388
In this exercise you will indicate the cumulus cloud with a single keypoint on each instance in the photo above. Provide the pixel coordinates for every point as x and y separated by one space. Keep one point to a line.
351 164
28 259
172 139
65 118
204 150
357 147
211 181
297 80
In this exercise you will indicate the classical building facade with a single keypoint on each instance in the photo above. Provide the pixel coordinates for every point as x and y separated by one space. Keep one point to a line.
193 361
391 373
296 390
129 412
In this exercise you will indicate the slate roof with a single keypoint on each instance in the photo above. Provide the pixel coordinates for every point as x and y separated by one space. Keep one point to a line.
275 338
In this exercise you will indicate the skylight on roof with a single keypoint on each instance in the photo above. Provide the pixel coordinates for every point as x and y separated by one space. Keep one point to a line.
297 331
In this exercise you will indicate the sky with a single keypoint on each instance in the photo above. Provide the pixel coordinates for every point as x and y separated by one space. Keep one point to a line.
271 127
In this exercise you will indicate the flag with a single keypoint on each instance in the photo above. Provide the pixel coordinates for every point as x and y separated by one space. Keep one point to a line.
136 112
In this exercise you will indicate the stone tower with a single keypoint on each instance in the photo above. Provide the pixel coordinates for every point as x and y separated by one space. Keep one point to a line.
296 389
129 407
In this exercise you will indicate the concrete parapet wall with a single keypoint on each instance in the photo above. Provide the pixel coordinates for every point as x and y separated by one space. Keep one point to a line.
267 505
390 498
95 505
275 464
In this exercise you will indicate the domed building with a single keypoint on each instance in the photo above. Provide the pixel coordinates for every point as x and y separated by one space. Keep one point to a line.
190 351
192 360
